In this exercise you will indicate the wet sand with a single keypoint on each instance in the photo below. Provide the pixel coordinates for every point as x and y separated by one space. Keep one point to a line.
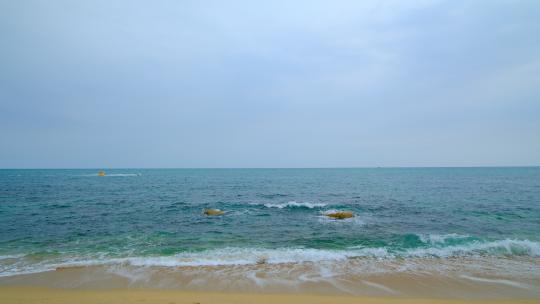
291 279
29 295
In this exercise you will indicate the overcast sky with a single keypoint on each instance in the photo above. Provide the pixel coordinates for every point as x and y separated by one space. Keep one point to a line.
269 83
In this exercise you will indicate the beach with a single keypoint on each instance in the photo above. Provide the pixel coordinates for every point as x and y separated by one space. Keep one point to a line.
14 295
302 152
467 280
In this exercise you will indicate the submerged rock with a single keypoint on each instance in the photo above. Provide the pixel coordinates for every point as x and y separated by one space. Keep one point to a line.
340 215
213 212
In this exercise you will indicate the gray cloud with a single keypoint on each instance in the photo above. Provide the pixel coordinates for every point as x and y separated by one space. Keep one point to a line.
278 84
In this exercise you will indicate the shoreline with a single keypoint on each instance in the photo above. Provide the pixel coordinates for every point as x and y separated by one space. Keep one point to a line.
17 294
290 279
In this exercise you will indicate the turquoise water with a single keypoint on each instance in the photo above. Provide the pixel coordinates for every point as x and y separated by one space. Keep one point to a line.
50 218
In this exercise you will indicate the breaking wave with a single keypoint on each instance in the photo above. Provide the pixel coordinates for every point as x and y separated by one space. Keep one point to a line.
254 256
294 204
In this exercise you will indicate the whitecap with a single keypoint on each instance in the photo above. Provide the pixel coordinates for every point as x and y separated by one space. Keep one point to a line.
233 256
500 247
440 239
11 256
293 204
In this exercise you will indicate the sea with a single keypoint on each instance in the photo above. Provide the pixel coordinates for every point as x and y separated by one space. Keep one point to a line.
146 228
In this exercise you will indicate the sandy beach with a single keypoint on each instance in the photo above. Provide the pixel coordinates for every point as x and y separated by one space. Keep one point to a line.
12 295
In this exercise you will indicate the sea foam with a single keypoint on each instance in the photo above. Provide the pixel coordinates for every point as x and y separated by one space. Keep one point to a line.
294 204
246 256
500 247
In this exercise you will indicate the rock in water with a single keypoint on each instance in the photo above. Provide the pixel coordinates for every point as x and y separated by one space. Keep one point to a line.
340 215
213 212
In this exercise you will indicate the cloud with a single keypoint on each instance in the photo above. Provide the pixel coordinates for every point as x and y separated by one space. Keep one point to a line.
239 83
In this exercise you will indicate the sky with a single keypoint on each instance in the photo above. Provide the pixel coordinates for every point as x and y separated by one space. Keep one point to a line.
173 84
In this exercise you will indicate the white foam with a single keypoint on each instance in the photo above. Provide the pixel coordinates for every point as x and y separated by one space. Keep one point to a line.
241 256
439 239
326 212
498 281
11 256
507 247
294 204
379 286
253 256
25 269
219 257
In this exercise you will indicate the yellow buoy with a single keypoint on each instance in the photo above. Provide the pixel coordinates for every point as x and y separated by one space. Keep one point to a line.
101 173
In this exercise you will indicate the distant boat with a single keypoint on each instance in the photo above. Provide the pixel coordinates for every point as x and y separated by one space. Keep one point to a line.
101 173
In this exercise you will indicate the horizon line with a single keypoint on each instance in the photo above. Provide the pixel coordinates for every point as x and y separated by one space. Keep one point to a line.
240 168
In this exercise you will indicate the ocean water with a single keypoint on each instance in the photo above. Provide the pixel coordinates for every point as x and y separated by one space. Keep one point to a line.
153 218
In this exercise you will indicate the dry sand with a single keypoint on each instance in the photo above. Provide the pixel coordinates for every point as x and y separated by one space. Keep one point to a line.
29 295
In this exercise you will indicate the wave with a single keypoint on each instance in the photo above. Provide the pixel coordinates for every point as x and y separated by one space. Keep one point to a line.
231 256
240 256
506 247
441 239
235 256
294 204
330 211
245 256
11 256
